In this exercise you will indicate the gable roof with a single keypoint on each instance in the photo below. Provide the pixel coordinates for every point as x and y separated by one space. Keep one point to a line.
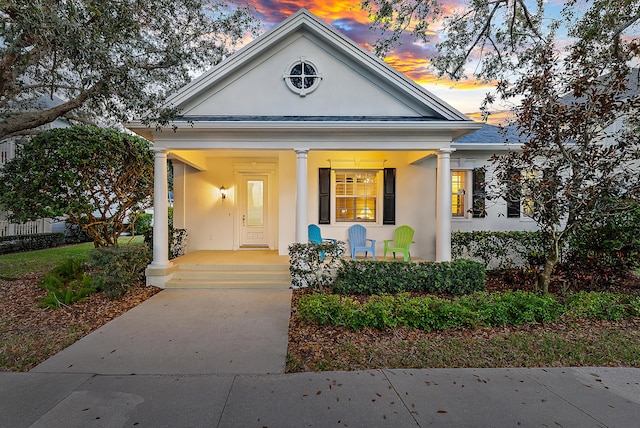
305 23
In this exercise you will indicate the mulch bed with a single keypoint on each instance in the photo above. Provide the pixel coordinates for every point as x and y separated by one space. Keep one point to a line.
42 332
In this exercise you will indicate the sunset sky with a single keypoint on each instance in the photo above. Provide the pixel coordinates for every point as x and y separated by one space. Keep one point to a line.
411 58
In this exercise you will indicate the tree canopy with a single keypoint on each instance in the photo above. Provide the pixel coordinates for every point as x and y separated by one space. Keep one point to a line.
108 59
576 99
92 177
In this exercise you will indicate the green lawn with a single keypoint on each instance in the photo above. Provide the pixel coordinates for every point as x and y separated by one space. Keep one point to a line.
17 264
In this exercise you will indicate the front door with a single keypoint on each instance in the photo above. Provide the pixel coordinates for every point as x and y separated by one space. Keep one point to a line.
253 218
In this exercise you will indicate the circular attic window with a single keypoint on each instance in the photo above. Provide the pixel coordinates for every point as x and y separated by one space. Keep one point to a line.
302 77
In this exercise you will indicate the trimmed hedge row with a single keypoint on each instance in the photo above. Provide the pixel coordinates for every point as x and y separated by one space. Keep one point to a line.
37 241
381 277
479 309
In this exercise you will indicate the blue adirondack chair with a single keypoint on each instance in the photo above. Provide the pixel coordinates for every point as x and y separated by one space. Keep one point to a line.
359 242
315 237
401 242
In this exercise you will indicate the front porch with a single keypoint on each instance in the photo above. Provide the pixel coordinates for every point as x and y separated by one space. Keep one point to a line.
250 269
231 269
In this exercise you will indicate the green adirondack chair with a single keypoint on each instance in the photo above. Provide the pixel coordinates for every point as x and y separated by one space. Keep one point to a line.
401 243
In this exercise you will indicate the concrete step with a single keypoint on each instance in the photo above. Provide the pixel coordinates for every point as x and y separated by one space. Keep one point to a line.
221 275
205 283
230 276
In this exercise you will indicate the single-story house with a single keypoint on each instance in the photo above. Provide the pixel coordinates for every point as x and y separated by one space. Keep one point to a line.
304 126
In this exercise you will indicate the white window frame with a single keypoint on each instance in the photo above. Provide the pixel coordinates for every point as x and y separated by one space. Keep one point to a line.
468 193
378 196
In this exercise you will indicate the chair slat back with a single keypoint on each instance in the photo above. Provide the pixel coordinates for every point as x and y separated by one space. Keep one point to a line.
358 235
314 234
403 236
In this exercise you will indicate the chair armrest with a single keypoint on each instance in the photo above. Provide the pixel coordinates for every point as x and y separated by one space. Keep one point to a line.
330 240
373 241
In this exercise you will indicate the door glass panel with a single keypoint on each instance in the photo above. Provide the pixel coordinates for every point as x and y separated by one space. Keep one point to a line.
255 203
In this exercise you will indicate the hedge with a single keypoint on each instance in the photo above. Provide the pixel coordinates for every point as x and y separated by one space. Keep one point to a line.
389 277
36 241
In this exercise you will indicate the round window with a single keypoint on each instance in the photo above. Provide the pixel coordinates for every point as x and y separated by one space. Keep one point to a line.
302 77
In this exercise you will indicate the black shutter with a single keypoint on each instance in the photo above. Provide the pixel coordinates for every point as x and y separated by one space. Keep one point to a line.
324 192
479 194
389 197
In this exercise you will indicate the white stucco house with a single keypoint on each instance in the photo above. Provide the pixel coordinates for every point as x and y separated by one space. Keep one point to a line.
305 126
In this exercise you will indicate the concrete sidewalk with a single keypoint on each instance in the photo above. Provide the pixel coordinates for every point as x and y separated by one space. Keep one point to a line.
584 397
216 358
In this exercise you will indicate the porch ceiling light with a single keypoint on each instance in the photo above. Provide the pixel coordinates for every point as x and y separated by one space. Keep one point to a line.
223 192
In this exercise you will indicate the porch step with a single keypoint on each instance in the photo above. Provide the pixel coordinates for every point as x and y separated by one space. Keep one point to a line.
230 276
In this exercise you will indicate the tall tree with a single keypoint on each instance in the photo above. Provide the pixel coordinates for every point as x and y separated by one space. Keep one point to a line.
576 100
91 177
112 59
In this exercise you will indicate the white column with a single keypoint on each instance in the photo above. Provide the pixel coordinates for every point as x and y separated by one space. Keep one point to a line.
301 196
160 211
443 206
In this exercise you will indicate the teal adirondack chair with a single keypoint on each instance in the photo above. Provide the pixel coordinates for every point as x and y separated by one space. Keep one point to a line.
359 242
401 243
315 237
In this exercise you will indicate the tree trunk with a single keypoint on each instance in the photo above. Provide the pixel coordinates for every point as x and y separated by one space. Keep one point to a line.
544 277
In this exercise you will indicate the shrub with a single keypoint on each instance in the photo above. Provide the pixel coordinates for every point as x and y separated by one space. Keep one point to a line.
314 265
602 306
430 312
381 277
116 269
177 241
500 250
607 249
37 241
66 284
142 224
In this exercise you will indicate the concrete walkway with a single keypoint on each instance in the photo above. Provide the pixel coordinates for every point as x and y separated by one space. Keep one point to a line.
215 358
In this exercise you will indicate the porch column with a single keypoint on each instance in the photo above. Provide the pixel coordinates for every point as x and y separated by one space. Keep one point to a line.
160 211
301 196
443 206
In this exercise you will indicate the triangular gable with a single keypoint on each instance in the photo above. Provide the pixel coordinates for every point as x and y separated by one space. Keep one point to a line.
354 82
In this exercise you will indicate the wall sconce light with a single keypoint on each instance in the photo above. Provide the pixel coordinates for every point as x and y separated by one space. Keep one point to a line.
223 192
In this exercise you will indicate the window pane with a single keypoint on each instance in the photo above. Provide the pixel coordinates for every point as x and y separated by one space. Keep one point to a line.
255 203
356 195
457 193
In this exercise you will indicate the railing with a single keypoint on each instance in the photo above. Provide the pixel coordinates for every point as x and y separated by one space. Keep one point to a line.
28 228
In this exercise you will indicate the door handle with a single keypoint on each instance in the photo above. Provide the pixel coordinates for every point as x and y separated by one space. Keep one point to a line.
242 220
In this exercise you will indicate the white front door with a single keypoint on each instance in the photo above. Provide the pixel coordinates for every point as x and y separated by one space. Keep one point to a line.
253 211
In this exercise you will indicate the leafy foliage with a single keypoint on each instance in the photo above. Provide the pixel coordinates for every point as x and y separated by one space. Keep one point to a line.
577 101
88 59
608 248
430 312
479 309
378 277
94 178
116 269
67 284
314 265
143 224
499 250
39 241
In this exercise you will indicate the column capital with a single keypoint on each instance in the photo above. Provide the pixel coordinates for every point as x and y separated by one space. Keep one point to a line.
446 151
301 151
159 150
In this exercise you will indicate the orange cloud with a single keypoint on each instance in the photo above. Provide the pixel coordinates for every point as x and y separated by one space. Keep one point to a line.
495 118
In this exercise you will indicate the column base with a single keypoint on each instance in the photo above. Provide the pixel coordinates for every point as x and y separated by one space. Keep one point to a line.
159 275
